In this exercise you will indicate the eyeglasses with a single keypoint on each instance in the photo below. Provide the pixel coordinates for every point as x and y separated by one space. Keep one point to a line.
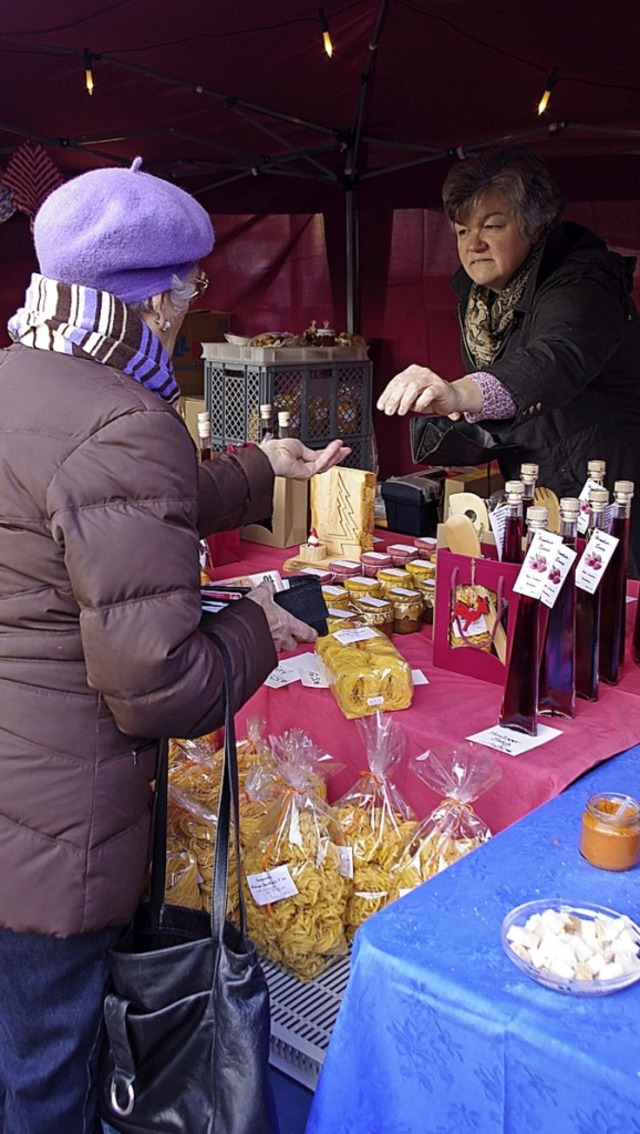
200 285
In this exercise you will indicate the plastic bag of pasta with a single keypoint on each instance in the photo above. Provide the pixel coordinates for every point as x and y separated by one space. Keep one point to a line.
375 819
460 775
366 672
296 891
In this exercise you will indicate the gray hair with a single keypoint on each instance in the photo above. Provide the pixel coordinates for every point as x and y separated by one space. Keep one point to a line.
515 171
180 294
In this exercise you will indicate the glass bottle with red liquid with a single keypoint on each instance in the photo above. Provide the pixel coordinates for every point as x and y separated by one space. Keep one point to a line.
613 601
519 707
204 454
529 477
267 431
557 691
204 436
514 523
284 424
588 611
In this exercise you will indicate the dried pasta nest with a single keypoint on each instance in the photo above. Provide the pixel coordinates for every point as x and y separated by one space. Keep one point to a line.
376 836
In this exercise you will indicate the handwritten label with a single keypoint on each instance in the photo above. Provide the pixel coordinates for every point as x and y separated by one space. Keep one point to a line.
279 677
594 560
313 679
271 886
557 573
514 743
498 521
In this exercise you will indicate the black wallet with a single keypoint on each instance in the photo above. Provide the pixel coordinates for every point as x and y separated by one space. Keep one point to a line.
304 599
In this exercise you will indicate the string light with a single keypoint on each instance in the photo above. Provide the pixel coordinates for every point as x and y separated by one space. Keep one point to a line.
550 84
88 73
324 28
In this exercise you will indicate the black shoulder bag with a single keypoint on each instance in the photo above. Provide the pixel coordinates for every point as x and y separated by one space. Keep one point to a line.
187 1016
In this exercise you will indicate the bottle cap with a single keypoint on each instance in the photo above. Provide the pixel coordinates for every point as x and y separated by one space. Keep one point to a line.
596 467
537 516
203 415
623 487
570 505
266 410
528 470
284 417
513 486
598 497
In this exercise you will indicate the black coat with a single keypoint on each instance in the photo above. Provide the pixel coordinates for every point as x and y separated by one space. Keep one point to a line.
571 362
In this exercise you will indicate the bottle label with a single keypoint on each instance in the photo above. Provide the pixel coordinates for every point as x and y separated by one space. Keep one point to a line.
594 560
539 560
557 574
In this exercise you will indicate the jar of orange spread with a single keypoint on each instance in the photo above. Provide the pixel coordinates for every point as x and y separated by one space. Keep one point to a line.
610 834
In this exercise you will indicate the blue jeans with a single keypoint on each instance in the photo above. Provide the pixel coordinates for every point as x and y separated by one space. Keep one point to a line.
51 995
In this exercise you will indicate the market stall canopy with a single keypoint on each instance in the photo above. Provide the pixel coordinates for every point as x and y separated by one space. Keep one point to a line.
241 105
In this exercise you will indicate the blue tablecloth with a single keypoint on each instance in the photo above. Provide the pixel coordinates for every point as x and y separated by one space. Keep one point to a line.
439 1033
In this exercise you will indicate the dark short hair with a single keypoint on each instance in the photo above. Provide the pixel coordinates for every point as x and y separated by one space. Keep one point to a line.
518 173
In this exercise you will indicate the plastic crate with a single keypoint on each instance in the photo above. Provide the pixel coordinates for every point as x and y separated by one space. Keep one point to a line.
287 356
325 400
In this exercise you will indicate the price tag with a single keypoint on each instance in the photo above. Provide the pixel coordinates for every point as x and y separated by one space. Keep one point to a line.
583 497
498 520
594 559
281 676
314 679
271 886
360 634
514 743
345 869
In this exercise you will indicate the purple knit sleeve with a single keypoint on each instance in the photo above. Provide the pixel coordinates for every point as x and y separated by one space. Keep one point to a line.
497 402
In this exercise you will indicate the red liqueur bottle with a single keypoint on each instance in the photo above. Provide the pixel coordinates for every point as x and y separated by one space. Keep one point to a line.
588 612
520 699
557 691
613 608
514 523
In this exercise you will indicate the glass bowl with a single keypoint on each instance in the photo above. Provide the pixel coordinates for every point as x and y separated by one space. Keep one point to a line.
574 986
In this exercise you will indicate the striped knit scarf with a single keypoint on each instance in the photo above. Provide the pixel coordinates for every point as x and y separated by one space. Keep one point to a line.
75 320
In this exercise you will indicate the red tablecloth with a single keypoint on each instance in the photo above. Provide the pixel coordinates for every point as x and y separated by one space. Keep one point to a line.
450 708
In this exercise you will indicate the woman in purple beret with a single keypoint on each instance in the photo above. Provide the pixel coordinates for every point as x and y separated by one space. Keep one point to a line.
102 505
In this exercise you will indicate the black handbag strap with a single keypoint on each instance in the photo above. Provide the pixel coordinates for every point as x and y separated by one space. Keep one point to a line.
228 808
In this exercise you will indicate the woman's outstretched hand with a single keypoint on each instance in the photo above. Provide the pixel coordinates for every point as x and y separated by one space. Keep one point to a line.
289 457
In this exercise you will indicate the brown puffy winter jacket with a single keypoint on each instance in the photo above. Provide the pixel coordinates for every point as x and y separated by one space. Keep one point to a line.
101 506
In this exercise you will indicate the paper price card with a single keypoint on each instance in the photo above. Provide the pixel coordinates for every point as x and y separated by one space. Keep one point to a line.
498 520
271 886
594 559
281 676
345 869
540 556
514 743
360 634
583 497
314 679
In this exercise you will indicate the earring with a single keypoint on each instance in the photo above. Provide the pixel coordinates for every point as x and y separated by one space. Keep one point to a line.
166 325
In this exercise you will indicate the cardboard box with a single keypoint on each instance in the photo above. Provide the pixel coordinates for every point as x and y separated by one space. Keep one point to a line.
474 479
189 409
198 327
290 516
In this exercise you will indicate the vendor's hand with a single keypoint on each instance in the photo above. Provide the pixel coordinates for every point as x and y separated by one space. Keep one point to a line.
289 457
422 390
287 632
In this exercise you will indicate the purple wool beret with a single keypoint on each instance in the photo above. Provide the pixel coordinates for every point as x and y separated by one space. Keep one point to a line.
122 231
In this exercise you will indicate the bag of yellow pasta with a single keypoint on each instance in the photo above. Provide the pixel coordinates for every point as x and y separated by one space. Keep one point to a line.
365 671
191 838
296 893
460 775
375 819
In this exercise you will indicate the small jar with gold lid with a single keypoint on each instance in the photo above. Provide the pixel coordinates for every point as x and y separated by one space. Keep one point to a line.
393 577
361 585
610 832
408 606
336 596
375 612
421 570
